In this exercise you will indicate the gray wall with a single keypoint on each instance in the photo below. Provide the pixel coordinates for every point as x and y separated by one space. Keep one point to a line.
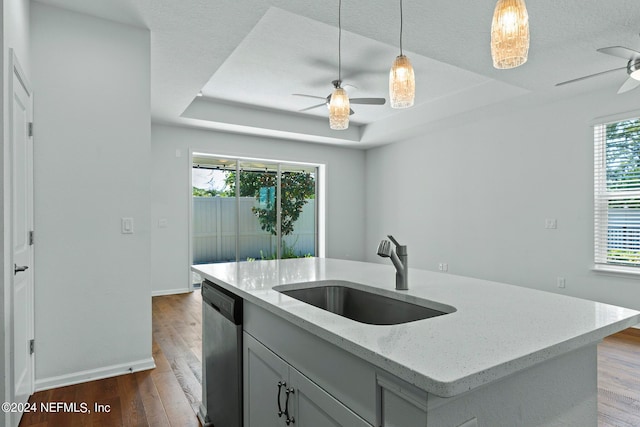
475 194
92 148
171 192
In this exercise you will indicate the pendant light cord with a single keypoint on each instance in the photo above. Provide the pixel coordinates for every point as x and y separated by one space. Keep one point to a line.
400 27
339 41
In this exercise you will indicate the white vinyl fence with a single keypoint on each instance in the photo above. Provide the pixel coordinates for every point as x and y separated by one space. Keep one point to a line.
214 231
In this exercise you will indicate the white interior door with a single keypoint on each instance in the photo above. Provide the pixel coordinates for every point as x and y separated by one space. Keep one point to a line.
21 226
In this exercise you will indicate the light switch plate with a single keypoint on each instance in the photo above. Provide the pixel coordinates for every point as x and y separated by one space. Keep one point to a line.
126 225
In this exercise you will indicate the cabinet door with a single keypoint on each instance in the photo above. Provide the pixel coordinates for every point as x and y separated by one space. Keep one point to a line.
263 371
311 406
400 404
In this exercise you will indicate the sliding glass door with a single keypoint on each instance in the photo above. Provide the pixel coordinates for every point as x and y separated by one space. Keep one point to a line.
246 210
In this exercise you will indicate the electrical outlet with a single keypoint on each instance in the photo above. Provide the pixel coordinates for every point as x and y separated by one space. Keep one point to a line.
126 225
443 266
562 282
551 223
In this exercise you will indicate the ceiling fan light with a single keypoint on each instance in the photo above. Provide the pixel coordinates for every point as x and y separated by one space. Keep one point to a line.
510 34
402 83
633 68
339 109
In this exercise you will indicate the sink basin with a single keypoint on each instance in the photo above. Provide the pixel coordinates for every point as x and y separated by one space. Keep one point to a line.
358 304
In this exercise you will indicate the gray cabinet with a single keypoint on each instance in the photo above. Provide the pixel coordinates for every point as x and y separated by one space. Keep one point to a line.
276 394
399 404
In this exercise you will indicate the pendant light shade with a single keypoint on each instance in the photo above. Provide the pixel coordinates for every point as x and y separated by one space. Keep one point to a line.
402 83
510 34
339 109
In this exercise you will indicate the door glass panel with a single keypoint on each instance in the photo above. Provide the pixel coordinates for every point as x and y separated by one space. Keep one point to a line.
214 211
257 211
298 207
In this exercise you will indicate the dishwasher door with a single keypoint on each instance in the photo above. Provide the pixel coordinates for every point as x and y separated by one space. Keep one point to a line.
222 356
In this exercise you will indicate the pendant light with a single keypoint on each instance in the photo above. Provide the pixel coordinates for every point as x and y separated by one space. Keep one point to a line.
339 108
510 34
402 81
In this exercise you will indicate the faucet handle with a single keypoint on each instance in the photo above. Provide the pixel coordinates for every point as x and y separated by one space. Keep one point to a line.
400 249
395 242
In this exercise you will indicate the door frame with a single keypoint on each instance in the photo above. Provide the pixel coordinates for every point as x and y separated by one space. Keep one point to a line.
320 207
18 77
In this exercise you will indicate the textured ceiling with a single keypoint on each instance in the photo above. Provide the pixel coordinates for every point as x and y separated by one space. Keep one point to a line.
198 44
269 65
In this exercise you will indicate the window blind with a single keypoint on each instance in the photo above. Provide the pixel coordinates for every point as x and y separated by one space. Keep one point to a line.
617 193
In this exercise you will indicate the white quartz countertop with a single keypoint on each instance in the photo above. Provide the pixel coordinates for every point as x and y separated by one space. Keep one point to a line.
496 330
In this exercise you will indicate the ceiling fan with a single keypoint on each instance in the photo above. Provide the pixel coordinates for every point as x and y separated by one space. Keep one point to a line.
632 67
326 100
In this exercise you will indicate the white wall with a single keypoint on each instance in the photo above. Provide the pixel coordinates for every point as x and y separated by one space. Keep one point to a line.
475 195
170 189
91 81
15 35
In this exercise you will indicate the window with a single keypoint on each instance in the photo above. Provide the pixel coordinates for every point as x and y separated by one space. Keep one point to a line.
617 194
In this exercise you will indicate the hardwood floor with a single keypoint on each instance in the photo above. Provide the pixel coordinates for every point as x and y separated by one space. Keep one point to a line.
169 394
165 396
619 380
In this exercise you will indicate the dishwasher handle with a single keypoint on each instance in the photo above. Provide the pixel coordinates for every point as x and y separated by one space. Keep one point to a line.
228 304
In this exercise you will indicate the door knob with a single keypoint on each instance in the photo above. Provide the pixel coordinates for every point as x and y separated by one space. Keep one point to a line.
17 269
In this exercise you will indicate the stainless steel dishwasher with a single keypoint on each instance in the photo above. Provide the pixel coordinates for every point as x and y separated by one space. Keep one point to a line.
221 357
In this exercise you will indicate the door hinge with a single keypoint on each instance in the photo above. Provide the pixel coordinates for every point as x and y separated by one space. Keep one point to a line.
30 129
32 346
31 238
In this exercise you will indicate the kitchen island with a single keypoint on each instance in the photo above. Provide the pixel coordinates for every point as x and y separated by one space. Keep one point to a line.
502 355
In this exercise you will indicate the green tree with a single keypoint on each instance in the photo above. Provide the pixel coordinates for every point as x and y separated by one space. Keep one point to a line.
296 188
623 155
201 192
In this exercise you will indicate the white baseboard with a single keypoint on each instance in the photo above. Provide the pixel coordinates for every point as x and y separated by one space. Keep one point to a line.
636 326
94 374
169 292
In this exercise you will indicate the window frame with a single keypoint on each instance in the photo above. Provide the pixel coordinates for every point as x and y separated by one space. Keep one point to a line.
602 198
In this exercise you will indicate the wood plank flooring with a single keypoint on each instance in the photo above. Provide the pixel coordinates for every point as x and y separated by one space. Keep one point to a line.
169 394
619 380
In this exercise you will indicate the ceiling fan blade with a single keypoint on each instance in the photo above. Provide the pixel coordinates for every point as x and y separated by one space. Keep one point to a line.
371 101
308 96
313 106
590 75
620 52
630 84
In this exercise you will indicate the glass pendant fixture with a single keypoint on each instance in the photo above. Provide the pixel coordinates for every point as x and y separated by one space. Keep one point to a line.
510 34
402 81
339 108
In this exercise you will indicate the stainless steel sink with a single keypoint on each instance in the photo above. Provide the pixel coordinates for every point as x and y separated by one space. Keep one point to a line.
360 305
